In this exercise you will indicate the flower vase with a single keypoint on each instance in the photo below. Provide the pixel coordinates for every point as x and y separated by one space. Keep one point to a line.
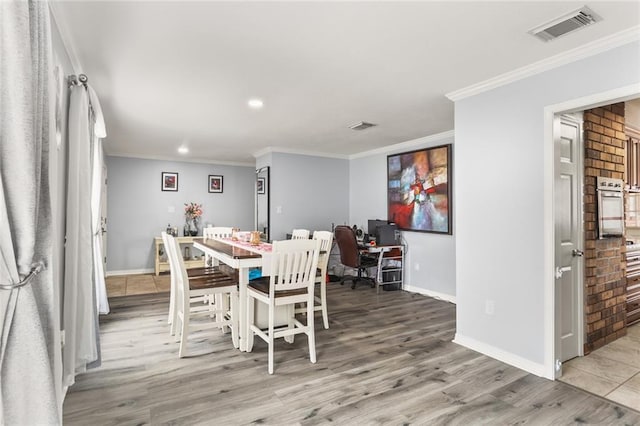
193 227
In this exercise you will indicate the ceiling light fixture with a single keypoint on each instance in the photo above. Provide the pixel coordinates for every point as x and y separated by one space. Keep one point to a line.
255 103
183 149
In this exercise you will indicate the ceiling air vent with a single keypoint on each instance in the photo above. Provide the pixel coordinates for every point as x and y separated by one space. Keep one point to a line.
565 24
361 125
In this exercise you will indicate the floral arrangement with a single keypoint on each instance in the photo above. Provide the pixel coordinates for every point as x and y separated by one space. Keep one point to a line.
192 210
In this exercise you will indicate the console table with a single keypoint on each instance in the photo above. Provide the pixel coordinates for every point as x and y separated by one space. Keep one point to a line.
162 264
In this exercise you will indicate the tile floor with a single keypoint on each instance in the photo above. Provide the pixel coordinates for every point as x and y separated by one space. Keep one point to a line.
127 285
612 371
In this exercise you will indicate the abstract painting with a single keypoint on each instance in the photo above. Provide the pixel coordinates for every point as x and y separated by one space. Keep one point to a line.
419 190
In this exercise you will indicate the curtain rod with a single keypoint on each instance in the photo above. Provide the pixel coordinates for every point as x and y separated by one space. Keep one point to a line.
74 80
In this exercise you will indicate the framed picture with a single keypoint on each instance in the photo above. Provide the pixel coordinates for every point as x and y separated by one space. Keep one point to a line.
169 181
419 190
215 183
260 185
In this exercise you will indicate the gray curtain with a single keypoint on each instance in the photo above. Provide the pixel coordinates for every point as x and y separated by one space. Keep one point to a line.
29 315
80 307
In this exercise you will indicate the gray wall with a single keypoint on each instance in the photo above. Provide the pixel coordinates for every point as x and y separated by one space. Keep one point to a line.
138 210
499 202
311 192
432 254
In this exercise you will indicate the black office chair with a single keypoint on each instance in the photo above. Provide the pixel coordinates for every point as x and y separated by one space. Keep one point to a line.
351 256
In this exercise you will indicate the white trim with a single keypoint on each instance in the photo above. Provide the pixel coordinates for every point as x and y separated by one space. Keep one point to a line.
67 40
130 272
402 146
590 49
501 355
181 160
281 150
430 293
586 102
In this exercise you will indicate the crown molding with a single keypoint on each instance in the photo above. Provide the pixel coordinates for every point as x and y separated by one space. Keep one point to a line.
590 49
281 150
180 160
67 40
402 146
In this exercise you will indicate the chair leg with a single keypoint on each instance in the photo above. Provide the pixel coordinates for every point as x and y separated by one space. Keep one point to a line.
184 335
271 339
323 301
226 301
291 314
311 333
172 294
234 319
249 320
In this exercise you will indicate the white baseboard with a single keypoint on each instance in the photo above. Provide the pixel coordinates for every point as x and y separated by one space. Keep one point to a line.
431 293
130 272
501 355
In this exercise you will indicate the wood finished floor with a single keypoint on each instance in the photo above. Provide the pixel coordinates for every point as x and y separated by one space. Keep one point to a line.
387 359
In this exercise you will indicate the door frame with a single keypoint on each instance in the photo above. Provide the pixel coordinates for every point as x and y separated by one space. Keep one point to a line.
579 104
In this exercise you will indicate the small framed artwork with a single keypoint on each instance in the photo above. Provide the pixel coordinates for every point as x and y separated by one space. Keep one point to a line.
215 183
169 181
260 185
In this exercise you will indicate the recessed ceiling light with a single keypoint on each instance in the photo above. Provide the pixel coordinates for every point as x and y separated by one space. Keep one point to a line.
255 103
183 149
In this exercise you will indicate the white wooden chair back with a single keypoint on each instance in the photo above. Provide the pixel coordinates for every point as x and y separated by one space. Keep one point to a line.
326 240
172 271
181 276
293 265
300 234
217 232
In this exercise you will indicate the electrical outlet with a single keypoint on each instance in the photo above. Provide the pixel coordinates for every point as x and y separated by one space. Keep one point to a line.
489 307
172 209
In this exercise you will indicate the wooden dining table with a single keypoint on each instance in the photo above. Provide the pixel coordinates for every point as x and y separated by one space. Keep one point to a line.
242 257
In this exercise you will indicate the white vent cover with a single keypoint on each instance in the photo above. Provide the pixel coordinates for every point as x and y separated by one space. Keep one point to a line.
565 24
361 125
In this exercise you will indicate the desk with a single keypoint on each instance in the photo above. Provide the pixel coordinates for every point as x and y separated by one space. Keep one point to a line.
392 273
241 259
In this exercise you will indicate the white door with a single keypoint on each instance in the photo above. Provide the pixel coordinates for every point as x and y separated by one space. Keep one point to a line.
569 239
103 216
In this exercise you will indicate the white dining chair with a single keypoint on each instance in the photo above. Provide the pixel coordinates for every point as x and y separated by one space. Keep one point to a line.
193 289
215 232
326 242
300 234
193 273
293 273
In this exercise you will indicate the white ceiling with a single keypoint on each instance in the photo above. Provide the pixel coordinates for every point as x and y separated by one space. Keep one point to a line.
169 73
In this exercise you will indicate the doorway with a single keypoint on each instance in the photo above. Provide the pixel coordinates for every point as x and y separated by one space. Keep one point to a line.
612 367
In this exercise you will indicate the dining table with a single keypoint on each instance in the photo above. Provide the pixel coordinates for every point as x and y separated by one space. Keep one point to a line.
241 256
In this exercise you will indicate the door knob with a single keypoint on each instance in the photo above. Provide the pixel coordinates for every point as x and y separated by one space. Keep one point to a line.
577 253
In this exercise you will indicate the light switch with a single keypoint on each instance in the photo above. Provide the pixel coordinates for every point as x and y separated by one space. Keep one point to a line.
278 209
172 209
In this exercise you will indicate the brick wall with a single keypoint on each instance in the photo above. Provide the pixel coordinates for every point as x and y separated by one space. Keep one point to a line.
604 259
